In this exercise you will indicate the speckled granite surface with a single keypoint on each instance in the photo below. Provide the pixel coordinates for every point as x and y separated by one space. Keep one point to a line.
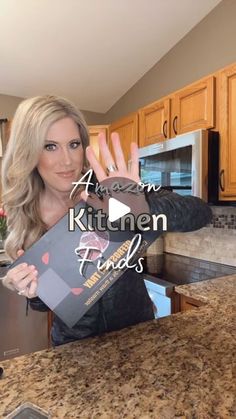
181 366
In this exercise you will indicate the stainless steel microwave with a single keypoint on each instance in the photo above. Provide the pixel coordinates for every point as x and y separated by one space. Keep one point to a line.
187 164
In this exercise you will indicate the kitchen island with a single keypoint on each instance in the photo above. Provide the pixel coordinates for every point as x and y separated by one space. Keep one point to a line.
181 366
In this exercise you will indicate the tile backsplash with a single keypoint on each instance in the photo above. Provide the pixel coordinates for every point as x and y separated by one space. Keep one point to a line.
215 242
224 217
181 270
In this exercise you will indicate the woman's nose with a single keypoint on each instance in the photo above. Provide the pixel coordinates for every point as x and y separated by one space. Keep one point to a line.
66 157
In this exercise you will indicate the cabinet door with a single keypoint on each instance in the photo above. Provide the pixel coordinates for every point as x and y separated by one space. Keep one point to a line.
20 334
127 128
94 130
154 123
227 126
188 303
6 134
194 107
6 127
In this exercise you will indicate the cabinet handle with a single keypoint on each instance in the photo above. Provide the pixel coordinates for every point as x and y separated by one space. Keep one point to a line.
174 124
164 129
222 180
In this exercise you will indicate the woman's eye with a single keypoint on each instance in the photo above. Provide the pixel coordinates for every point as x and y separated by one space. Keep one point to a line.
50 146
75 144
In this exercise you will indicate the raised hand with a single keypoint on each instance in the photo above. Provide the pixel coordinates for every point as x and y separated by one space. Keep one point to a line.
115 167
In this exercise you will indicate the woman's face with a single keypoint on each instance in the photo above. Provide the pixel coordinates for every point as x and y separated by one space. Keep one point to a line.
61 160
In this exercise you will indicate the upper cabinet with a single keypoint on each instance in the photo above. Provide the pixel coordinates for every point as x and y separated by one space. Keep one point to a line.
209 103
5 135
154 122
188 109
94 130
194 107
227 128
127 128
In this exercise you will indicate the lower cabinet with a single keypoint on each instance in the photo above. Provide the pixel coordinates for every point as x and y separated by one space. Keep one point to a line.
188 303
165 299
180 302
21 333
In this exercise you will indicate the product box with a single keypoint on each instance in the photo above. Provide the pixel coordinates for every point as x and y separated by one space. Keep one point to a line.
63 286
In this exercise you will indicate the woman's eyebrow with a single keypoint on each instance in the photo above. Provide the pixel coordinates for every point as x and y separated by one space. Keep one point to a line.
54 141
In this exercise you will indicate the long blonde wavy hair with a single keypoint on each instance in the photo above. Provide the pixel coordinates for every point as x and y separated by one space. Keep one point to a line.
21 182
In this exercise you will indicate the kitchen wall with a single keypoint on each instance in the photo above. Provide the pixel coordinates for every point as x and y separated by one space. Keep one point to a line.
8 105
205 49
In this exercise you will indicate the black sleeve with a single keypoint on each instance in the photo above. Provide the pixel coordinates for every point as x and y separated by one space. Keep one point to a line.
37 304
183 213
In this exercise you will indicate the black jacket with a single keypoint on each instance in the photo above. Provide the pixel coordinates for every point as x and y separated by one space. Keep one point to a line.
127 302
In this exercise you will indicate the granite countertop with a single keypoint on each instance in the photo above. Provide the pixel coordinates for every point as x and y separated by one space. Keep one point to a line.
181 366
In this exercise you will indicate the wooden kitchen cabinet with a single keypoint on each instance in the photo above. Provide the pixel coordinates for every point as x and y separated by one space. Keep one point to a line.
188 109
154 122
94 130
194 107
227 128
6 135
188 303
50 323
127 128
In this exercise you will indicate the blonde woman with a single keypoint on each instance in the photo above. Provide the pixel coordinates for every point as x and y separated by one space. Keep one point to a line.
45 154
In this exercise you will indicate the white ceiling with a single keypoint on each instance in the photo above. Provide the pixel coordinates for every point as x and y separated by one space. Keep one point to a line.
90 51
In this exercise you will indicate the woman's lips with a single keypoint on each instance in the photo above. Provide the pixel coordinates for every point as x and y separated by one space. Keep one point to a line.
66 174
